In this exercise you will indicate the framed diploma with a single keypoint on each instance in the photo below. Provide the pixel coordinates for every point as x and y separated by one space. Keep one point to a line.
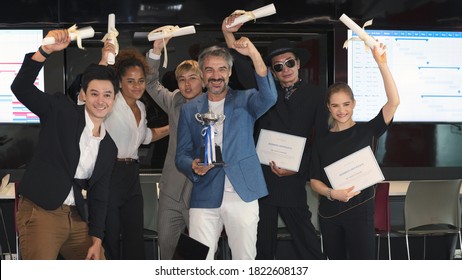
360 169
284 149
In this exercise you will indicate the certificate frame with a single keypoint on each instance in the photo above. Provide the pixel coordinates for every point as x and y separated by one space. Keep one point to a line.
359 169
284 149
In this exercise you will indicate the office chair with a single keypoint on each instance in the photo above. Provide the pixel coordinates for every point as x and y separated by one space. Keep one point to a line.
382 215
432 208
150 201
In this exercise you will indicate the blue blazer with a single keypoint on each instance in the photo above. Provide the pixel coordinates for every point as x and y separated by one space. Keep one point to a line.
242 166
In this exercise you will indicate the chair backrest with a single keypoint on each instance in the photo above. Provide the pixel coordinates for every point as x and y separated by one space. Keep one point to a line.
432 203
150 199
382 208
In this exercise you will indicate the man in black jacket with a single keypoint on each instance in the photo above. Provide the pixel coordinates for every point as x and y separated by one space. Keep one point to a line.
74 153
300 110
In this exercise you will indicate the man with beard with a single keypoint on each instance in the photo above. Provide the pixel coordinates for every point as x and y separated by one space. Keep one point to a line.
226 195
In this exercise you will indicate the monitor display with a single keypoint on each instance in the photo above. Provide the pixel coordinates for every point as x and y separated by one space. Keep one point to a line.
426 66
13 45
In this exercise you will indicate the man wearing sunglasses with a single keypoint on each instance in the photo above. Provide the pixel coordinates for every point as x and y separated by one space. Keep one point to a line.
300 110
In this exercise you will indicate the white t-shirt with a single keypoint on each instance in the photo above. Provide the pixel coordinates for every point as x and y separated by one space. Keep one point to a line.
218 107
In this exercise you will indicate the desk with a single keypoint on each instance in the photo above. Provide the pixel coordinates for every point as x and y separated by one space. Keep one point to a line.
399 188
7 192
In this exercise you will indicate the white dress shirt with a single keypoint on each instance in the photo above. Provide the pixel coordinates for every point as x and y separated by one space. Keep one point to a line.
217 107
126 133
89 147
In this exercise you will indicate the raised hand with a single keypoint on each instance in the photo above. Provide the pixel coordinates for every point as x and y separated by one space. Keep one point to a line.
62 40
244 46
107 49
229 20
158 45
380 58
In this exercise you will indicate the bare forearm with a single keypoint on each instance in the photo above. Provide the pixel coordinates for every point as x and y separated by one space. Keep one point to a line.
391 90
159 132
229 38
319 187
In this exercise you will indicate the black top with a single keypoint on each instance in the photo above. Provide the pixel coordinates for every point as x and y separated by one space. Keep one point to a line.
332 146
302 114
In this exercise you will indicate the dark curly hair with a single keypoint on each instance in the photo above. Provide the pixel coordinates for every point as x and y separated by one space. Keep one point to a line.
127 58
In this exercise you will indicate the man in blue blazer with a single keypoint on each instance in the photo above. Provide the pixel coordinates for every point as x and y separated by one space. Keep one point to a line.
226 195
74 152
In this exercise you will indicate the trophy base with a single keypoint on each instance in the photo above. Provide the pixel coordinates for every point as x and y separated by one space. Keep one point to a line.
218 156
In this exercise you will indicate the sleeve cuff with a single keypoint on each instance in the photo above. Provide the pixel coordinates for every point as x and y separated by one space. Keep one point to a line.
153 55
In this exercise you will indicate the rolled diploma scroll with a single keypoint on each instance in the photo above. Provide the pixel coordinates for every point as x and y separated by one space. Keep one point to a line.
175 32
110 31
370 42
84 33
258 13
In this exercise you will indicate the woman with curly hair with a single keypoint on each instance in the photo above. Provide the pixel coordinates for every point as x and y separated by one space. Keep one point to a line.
128 127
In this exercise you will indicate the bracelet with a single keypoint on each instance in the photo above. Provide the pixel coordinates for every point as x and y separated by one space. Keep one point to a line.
43 53
329 194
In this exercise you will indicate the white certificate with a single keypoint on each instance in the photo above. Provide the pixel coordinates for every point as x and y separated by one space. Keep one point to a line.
170 31
369 40
284 149
360 169
253 15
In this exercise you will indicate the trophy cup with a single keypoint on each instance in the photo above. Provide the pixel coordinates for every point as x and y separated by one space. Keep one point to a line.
210 152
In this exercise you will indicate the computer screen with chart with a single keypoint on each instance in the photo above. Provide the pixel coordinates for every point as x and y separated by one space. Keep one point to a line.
14 44
426 66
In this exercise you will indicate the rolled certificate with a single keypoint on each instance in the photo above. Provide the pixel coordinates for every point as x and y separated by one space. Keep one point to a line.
82 33
370 42
111 37
253 15
170 31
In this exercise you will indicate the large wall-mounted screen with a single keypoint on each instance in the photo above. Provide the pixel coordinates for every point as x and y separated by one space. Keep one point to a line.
13 45
426 66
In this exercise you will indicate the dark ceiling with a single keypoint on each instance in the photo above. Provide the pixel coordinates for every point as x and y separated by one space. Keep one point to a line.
389 13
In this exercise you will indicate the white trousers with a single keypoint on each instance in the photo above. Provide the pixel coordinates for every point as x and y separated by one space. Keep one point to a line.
240 220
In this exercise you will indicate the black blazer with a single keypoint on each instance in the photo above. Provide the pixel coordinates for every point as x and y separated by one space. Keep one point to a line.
49 177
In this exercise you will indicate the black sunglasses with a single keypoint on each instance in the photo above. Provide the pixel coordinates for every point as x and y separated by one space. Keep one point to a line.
288 63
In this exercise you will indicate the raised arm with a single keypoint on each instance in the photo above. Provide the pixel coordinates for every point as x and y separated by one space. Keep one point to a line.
105 51
243 69
391 90
62 40
245 47
24 87
160 94
228 33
